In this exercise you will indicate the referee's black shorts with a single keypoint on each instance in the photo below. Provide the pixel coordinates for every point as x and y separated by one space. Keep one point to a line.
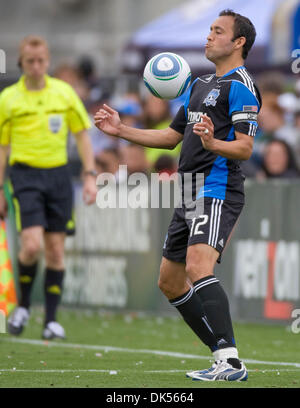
212 226
42 197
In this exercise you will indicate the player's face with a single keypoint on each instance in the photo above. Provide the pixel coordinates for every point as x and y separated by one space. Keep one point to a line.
35 61
219 41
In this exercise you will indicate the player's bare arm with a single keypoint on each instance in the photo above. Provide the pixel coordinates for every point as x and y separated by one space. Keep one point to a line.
108 120
87 158
238 149
3 158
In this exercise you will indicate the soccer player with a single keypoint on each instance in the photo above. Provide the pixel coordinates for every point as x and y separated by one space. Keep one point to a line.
217 124
35 116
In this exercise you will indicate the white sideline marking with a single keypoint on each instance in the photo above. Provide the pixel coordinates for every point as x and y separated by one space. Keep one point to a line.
17 370
249 371
62 371
143 351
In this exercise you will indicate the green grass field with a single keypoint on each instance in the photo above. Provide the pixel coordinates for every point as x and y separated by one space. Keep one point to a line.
108 350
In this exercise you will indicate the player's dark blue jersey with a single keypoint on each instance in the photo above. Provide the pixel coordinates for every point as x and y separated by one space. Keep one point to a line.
232 102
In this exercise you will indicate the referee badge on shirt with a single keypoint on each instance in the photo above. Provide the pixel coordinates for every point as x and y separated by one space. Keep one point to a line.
55 123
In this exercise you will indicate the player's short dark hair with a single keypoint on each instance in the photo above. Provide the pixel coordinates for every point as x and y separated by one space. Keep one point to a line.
243 27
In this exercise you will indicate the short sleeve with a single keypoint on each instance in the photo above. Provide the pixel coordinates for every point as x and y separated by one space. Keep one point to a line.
244 106
179 121
5 122
77 116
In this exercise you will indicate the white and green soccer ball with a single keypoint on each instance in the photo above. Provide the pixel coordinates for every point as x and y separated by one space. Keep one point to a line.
167 75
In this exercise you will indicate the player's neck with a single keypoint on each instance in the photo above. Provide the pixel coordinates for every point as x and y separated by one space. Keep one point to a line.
222 67
35 84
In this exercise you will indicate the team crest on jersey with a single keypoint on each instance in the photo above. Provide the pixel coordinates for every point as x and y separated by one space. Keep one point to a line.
212 97
55 123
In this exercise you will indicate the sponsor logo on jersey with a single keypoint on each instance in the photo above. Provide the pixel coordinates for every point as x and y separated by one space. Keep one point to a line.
194 117
212 97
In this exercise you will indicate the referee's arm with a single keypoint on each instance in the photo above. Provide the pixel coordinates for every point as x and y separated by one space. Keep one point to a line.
86 155
3 159
4 134
85 150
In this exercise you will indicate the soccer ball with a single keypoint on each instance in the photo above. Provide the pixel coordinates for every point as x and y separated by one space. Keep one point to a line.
167 75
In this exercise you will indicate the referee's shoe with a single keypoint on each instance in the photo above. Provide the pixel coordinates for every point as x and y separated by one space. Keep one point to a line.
53 330
18 320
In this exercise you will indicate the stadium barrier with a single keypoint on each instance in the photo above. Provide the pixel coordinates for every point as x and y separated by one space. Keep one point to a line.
113 260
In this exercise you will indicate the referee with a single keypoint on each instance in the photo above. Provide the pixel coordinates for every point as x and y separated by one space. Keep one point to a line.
36 114
217 125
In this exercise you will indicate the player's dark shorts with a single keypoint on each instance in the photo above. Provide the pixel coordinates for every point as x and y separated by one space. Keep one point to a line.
42 197
212 225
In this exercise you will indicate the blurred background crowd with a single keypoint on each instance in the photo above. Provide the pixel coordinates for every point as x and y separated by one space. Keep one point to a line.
100 48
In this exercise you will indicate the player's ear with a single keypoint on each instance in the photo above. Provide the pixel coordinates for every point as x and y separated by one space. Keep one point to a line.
240 42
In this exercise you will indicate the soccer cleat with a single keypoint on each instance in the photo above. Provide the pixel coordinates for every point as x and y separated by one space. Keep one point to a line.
53 330
17 321
220 371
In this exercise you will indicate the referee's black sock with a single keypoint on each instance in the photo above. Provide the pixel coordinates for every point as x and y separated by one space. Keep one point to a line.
27 274
53 290
190 307
216 307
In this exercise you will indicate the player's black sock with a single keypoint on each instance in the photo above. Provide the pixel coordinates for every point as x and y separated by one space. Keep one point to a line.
27 274
190 307
216 307
53 290
235 362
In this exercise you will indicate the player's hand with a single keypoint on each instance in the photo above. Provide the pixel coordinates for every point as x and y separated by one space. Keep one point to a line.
108 120
89 190
3 205
205 129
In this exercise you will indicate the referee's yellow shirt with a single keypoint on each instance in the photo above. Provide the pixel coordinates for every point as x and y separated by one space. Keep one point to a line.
35 123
